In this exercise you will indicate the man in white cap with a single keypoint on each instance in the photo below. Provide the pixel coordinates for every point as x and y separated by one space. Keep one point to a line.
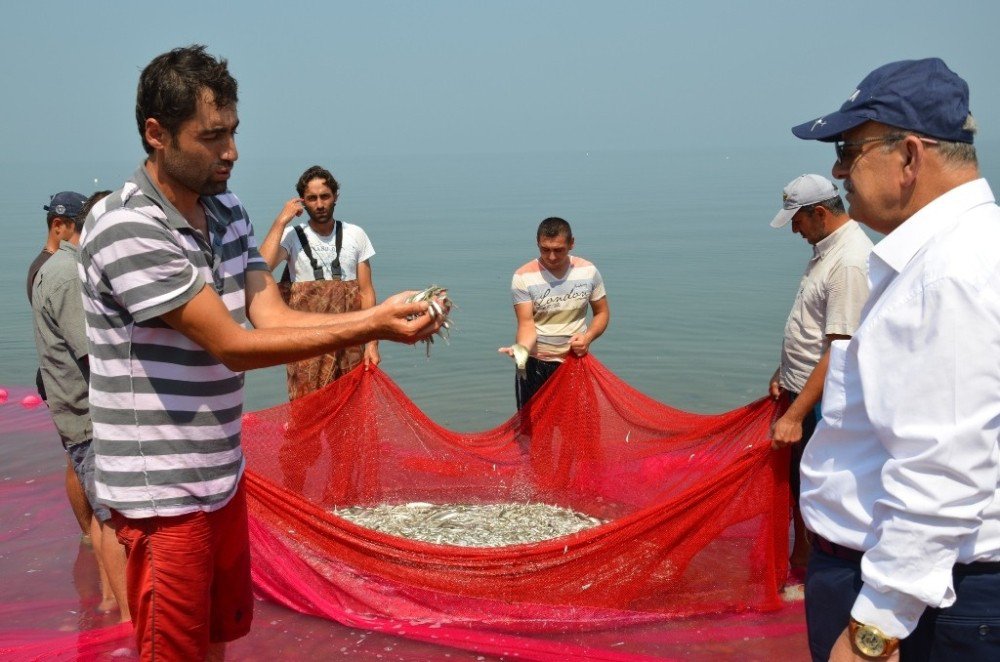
827 307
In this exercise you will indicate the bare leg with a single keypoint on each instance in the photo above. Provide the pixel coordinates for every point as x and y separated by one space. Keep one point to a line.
800 548
108 602
78 499
113 555
216 653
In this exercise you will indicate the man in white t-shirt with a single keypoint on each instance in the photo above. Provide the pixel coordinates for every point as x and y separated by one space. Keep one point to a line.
551 296
328 270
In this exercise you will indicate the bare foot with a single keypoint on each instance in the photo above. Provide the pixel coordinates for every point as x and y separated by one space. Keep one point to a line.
107 605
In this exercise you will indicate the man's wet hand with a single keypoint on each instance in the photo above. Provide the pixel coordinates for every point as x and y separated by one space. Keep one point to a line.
372 356
396 319
785 431
579 344
774 388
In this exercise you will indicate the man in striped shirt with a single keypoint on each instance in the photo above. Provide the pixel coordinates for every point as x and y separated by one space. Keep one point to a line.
178 304
551 296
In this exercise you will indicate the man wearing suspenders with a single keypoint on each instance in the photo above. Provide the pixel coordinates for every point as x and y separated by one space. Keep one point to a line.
328 270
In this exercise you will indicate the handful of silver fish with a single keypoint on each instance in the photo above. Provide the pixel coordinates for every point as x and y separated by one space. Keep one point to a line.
439 306
471 525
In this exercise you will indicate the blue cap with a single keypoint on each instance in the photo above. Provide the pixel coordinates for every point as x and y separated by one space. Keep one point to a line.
923 96
67 203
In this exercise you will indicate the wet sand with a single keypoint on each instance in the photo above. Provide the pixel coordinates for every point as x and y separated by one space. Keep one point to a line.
49 590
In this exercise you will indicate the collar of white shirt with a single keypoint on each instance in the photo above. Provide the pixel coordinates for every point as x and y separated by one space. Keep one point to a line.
891 255
827 244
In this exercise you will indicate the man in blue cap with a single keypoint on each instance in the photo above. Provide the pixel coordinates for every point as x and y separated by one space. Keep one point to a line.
900 479
62 209
63 354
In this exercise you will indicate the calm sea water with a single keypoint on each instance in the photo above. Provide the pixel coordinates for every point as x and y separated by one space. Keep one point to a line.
699 285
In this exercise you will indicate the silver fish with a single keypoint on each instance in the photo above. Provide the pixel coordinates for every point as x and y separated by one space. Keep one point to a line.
471 525
439 305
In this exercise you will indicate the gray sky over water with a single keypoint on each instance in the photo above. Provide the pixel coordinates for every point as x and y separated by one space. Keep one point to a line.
322 79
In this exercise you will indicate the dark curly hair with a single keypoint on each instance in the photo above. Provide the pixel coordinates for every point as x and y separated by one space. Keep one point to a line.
316 172
170 85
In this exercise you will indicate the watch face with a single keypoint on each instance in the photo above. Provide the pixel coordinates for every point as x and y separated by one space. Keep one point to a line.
870 640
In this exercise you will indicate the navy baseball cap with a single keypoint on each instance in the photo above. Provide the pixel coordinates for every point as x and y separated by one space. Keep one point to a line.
923 96
67 203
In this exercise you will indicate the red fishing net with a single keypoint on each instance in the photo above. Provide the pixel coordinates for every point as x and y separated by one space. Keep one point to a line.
696 509
697 504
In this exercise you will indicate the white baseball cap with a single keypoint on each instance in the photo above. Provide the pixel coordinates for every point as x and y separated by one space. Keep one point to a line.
802 191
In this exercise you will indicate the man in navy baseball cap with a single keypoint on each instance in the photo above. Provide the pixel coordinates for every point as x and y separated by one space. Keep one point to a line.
66 204
62 209
923 96
920 107
899 481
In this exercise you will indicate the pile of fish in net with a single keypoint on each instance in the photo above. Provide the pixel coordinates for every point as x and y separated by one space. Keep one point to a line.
467 525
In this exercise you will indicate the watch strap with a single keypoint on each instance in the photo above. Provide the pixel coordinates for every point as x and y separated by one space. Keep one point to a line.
870 642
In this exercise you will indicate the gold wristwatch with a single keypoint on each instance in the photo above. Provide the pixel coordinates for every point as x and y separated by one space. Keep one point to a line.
870 641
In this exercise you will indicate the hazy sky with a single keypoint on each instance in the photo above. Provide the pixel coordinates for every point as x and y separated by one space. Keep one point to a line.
323 79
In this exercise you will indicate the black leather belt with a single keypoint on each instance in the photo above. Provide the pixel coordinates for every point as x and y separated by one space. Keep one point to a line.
853 555
833 549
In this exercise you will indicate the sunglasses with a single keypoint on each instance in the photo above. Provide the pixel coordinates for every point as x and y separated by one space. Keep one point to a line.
842 148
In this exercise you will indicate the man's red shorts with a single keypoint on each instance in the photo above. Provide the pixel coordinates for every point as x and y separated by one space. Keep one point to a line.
188 580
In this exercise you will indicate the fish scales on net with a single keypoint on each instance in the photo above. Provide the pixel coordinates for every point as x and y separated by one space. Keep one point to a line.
471 525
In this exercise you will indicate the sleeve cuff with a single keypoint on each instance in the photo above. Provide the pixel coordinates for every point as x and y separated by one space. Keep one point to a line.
258 266
165 307
896 614
840 329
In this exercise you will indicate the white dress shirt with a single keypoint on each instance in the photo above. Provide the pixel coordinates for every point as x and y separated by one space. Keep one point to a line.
905 464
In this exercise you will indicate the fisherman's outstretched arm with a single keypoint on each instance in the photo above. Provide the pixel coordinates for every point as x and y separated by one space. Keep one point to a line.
206 321
266 309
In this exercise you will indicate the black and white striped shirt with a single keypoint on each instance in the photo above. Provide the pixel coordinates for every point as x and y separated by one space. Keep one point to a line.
166 413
